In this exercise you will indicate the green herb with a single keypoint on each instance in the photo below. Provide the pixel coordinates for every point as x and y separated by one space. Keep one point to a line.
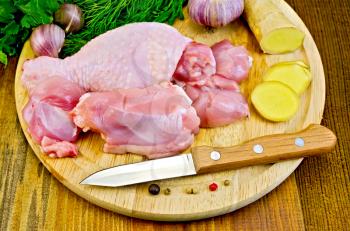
103 15
17 18
3 58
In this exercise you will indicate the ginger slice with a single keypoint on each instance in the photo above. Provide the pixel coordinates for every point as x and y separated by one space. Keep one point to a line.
275 101
295 75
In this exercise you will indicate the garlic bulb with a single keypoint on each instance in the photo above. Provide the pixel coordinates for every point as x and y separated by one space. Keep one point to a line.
70 17
47 40
215 13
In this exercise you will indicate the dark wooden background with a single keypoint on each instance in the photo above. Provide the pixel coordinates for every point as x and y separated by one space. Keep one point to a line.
315 197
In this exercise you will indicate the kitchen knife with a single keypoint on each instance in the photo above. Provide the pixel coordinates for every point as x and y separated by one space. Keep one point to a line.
314 140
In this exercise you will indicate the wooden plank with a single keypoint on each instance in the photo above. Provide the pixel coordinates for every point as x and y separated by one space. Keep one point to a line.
324 182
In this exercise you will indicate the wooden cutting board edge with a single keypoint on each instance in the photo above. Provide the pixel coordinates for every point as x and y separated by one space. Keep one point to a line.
278 172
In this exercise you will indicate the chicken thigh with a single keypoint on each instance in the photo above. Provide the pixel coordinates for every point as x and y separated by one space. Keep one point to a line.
156 121
134 55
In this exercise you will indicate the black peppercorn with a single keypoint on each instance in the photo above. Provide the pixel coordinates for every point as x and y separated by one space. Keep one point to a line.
167 191
154 189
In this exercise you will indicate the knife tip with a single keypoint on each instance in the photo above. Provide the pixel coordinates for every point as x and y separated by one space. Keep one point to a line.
84 182
89 181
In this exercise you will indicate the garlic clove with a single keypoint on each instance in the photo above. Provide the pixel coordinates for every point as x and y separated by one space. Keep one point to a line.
47 40
70 17
215 13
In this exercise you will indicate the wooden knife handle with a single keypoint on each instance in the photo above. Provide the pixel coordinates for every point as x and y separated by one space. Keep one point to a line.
314 140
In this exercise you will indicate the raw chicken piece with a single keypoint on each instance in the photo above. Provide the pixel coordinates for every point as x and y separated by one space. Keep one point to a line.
58 148
197 64
217 107
197 67
156 121
231 62
47 116
217 81
215 96
134 55
221 82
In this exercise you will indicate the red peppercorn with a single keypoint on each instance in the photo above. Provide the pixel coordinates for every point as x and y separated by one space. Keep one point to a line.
213 187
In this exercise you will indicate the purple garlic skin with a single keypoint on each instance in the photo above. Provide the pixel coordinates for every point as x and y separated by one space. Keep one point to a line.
70 17
215 13
47 40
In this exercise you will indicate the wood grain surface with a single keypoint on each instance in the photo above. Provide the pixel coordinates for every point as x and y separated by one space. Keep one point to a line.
247 184
315 198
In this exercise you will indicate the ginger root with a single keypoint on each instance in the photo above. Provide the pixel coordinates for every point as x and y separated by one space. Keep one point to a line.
274 32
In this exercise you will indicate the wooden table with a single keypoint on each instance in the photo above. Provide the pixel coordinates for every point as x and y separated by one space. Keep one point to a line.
315 197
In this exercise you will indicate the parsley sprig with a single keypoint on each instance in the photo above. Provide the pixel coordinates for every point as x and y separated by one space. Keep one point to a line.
17 18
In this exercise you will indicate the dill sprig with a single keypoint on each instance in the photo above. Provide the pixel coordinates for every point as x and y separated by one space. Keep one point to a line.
103 15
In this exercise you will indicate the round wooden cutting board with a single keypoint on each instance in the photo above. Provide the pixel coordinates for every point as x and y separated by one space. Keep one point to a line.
247 184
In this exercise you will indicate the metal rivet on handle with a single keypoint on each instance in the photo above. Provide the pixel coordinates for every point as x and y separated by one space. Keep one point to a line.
214 155
258 148
299 142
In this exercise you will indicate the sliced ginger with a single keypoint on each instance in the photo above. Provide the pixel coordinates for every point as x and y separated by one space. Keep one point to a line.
273 30
275 101
282 40
295 75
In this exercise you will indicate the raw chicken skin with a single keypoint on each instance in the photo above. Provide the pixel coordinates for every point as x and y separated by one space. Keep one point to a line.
231 62
47 116
134 55
156 121
217 107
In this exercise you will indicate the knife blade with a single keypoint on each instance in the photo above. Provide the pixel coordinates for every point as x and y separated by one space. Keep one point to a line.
170 167
314 140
